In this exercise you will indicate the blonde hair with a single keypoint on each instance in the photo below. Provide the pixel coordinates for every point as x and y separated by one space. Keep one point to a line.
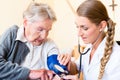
36 11
108 48
96 12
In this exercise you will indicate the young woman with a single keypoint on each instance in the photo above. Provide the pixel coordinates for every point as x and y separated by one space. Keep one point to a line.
102 61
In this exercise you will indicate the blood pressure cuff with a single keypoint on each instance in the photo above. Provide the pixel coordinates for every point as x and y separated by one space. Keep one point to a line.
54 65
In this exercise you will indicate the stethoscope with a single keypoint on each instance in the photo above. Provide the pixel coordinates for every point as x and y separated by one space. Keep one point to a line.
81 54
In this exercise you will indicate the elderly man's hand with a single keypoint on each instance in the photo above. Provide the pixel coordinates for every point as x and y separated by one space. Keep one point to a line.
41 74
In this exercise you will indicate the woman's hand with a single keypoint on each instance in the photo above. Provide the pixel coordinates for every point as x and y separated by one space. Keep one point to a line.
71 77
64 59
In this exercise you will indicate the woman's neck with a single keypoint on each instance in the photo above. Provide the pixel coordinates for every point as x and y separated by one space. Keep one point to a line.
96 44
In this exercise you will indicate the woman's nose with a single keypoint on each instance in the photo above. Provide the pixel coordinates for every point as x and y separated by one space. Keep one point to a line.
80 32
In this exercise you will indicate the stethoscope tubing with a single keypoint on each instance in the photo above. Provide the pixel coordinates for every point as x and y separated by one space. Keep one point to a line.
81 54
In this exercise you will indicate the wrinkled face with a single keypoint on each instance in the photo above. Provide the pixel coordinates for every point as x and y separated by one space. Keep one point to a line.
37 32
87 30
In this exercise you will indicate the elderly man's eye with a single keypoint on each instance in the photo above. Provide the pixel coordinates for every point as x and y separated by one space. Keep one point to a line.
85 28
77 26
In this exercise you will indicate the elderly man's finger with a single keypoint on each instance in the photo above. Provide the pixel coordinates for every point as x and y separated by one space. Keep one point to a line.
47 77
50 74
42 77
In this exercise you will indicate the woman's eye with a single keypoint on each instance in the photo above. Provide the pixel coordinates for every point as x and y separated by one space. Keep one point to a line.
82 27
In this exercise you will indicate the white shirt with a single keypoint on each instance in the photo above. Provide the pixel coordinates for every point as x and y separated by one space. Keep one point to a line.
112 68
37 57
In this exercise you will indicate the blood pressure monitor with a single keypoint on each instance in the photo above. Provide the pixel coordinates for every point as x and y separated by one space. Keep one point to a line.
54 65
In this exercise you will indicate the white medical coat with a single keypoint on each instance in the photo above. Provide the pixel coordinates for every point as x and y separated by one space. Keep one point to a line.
91 70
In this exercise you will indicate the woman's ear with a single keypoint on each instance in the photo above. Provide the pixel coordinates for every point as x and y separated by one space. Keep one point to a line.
102 25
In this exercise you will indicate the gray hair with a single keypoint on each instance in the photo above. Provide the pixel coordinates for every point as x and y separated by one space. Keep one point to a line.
36 11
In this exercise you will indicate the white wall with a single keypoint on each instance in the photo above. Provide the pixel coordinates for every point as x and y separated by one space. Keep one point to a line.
64 30
114 15
11 12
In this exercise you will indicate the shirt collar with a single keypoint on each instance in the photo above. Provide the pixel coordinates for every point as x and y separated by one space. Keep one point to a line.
101 44
100 49
20 34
